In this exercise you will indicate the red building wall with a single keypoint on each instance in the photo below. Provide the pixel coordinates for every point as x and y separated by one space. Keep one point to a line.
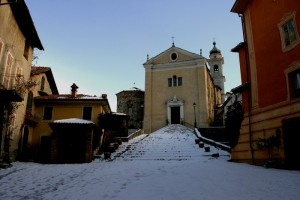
270 59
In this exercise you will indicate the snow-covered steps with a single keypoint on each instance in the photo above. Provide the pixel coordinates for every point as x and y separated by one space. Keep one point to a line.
173 142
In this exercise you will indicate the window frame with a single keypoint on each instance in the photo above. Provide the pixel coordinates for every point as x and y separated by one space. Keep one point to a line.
48 113
170 82
1 48
294 92
85 114
7 70
19 75
42 87
29 103
26 50
287 18
179 81
290 72
175 81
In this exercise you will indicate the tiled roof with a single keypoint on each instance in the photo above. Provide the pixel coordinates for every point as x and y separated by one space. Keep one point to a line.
35 70
68 97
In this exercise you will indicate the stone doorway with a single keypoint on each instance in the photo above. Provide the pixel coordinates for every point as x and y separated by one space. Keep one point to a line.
175 111
175 115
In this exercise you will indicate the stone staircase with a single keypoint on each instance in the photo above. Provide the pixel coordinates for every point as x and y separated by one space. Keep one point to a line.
171 143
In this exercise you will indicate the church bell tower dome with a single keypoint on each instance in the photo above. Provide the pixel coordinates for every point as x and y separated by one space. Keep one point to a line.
216 62
214 49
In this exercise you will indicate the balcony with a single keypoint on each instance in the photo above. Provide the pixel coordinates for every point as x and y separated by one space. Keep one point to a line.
9 91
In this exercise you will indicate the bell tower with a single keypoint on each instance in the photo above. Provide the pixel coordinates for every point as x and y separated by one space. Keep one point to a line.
216 62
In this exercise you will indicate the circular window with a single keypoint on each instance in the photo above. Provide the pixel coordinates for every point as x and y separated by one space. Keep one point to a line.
174 56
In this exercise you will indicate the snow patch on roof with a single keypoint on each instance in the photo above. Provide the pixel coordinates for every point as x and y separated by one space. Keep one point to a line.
73 121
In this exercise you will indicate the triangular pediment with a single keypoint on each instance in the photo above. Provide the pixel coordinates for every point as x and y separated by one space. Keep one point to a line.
173 54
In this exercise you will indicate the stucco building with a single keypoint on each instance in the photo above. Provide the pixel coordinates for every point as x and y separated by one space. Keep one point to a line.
16 54
180 88
67 108
270 73
131 102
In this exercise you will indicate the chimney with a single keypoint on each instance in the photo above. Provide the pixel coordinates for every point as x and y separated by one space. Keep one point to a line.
74 88
104 96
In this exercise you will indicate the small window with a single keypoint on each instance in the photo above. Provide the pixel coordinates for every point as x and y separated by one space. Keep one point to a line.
174 56
19 76
170 82
288 32
174 81
216 68
87 113
48 113
294 78
26 50
179 81
29 103
42 84
7 71
1 47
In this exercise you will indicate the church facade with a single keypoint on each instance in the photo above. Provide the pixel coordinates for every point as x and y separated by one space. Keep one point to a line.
180 88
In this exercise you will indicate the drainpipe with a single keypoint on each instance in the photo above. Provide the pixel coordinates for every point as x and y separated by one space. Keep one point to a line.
249 89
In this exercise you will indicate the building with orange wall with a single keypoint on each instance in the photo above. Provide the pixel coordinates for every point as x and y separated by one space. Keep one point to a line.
270 71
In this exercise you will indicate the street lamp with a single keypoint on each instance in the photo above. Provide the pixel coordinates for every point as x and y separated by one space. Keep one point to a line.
195 123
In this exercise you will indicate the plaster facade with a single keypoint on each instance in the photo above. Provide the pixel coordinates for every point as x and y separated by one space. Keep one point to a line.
269 62
18 38
178 89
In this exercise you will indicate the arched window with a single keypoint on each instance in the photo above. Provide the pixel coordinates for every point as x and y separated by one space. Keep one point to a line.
216 68
29 103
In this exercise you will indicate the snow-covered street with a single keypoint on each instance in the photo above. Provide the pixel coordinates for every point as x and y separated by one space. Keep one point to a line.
166 164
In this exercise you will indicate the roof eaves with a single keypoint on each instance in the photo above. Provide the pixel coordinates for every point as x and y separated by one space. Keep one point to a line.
25 23
238 47
240 6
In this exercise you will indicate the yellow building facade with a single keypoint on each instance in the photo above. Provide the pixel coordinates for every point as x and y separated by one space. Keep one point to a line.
53 107
179 89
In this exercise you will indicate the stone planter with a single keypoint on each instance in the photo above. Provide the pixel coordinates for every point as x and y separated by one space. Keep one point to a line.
107 155
207 149
201 144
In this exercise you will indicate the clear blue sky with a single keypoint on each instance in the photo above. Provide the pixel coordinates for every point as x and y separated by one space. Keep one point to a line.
102 45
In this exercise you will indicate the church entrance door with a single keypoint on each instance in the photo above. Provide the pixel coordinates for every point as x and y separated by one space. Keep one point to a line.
175 115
